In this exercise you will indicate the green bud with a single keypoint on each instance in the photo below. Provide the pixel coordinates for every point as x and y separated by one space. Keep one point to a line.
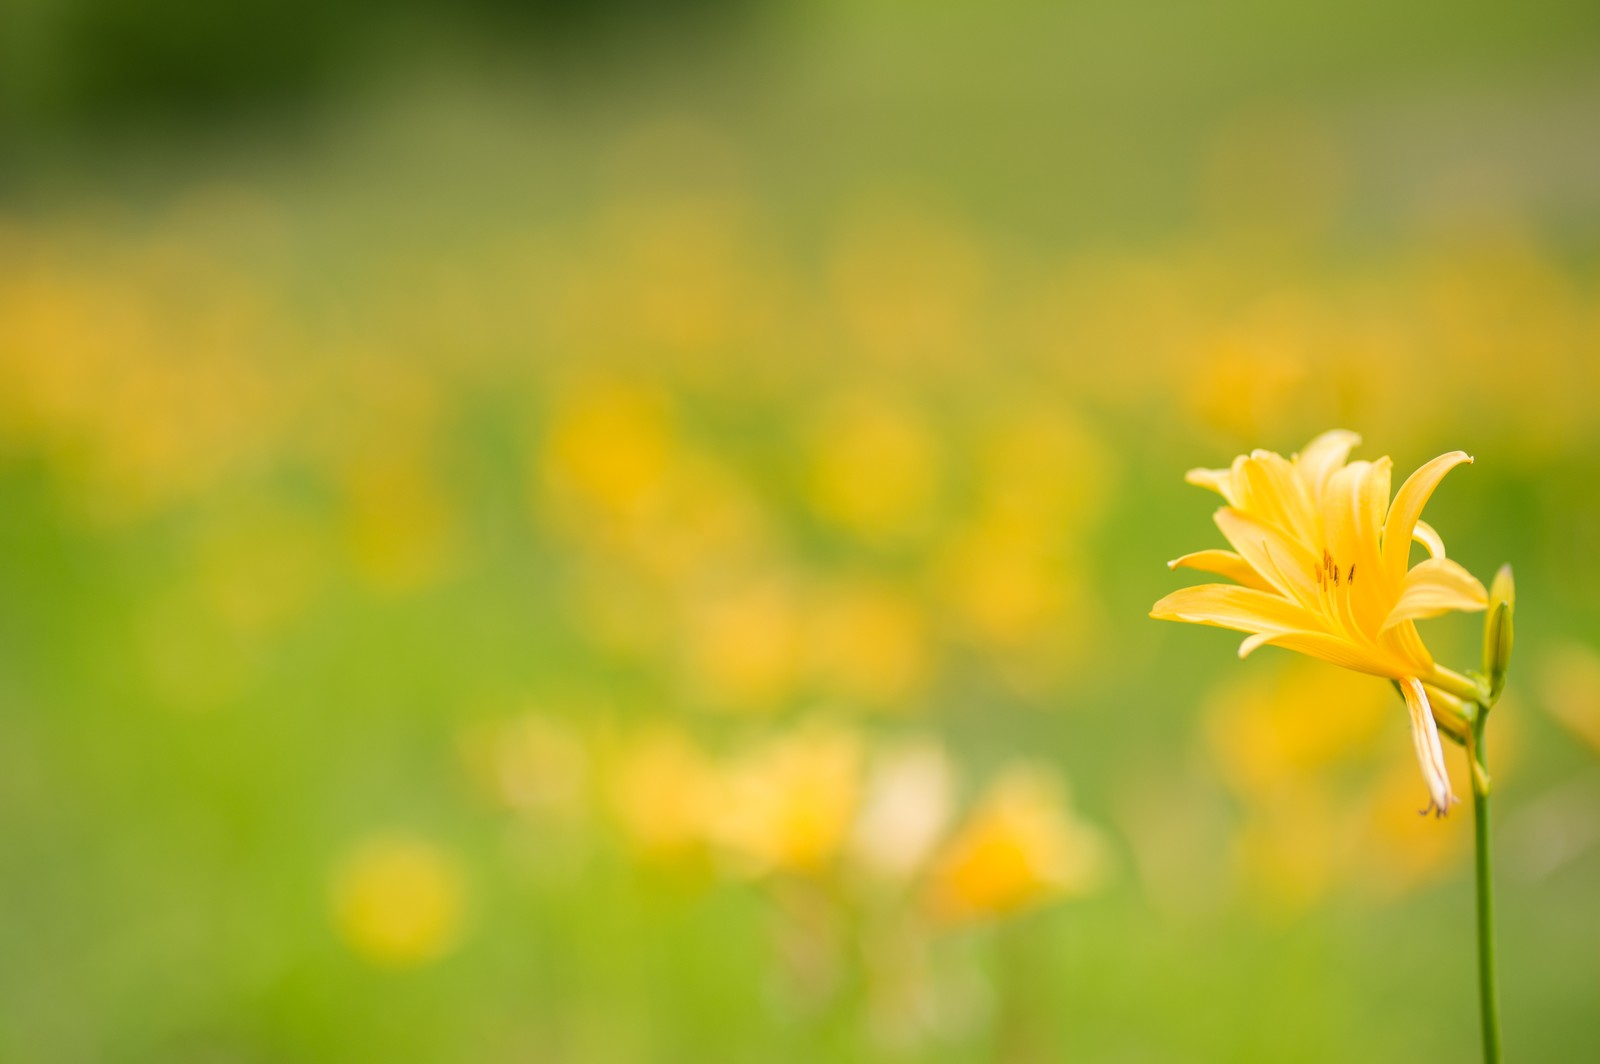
1497 631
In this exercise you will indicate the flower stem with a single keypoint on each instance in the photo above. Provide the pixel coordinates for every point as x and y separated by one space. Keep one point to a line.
1488 992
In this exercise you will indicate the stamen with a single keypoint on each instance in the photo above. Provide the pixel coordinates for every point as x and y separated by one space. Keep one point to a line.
1328 576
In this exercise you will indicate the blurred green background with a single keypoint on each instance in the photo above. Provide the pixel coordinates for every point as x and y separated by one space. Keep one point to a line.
623 532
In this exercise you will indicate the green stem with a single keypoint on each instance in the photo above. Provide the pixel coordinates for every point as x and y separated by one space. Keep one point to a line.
1488 993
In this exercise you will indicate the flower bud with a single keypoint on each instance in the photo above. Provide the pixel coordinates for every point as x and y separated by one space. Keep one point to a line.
1450 713
1497 631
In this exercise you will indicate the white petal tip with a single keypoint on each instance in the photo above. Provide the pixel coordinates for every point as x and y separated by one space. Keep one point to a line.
1439 810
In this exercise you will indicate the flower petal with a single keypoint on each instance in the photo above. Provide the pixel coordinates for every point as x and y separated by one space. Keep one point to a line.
1323 457
1223 563
1353 502
1218 480
1436 586
1336 650
1243 609
1424 534
1407 508
1285 563
1274 493
1404 643
1430 754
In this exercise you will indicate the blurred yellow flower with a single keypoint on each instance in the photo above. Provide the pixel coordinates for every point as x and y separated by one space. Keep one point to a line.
399 521
679 271
1569 687
874 468
1289 855
607 447
1322 564
743 645
1009 586
398 901
1399 853
1322 797
789 804
1022 845
869 642
1264 753
996 576
663 790
700 520
1245 384
909 283
1039 464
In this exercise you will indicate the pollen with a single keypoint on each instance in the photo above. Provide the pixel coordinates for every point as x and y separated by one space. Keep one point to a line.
1327 574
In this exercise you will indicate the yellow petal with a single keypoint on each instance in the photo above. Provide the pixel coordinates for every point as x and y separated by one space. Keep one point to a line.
1323 457
1436 586
1353 504
1218 480
1223 563
1243 609
1286 563
1425 737
1404 644
1407 508
1274 493
1334 649
1425 535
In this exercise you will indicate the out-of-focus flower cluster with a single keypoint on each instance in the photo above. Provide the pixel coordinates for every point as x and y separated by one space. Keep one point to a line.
770 478
819 800
868 852
785 495
1308 753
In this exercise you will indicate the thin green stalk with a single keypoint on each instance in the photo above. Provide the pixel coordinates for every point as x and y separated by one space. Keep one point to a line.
1488 992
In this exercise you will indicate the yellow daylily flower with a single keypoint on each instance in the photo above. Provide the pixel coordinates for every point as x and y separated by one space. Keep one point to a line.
1321 563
